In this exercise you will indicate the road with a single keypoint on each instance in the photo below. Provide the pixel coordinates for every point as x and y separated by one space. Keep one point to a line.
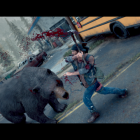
57 56
55 59
112 109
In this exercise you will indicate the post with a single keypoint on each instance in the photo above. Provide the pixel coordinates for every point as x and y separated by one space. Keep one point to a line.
49 39
61 40
79 38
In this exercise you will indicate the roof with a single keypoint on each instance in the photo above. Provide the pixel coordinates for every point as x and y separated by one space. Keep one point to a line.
33 24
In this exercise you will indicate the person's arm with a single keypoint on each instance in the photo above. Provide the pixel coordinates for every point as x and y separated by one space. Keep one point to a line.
91 60
82 70
70 58
72 73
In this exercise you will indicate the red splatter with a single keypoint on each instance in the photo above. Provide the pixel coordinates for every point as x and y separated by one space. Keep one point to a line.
57 33
4 55
31 91
58 81
66 79
87 66
16 77
4 58
79 25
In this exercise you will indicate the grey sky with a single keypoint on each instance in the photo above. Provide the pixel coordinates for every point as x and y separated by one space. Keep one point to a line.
16 18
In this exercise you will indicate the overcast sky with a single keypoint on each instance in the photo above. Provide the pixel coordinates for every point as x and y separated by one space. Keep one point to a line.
16 18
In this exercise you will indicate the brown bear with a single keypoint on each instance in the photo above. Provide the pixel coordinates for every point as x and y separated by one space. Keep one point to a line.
29 92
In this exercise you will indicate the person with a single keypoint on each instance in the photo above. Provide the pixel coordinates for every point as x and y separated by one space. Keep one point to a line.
86 74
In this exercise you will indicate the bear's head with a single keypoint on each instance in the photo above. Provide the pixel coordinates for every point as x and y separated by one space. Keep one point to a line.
50 84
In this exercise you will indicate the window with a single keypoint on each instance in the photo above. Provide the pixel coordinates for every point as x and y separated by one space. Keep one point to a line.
79 19
57 24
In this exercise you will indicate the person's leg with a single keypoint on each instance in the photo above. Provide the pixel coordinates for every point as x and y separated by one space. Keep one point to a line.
111 90
87 98
87 101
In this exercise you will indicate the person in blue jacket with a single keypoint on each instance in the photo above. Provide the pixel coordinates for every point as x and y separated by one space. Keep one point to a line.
86 74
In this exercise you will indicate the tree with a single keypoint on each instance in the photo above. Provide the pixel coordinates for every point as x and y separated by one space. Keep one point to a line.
12 48
5 58
23 30
23 41
25 22
32 18
8 22
18 34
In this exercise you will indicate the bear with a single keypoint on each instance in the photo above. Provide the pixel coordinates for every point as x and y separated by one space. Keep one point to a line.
29 91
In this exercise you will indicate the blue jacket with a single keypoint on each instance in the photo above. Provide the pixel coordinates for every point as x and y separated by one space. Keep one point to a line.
87 71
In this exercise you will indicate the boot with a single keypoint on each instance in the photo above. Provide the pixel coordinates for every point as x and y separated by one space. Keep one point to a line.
124 95
93 117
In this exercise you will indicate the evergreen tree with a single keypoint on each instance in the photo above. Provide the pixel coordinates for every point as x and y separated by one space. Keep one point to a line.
22 39
12 48
17 33
25 22
23 30
8 22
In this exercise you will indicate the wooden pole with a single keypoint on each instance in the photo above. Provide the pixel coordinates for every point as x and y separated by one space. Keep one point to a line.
79 38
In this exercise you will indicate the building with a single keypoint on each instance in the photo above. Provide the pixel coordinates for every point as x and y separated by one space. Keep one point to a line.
48 23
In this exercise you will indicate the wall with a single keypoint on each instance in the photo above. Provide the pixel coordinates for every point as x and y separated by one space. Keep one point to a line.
45 23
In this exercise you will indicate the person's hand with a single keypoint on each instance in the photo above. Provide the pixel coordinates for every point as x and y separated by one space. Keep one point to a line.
67 74
79 55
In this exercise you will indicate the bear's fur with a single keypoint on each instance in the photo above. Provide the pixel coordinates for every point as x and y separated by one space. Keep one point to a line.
29 92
